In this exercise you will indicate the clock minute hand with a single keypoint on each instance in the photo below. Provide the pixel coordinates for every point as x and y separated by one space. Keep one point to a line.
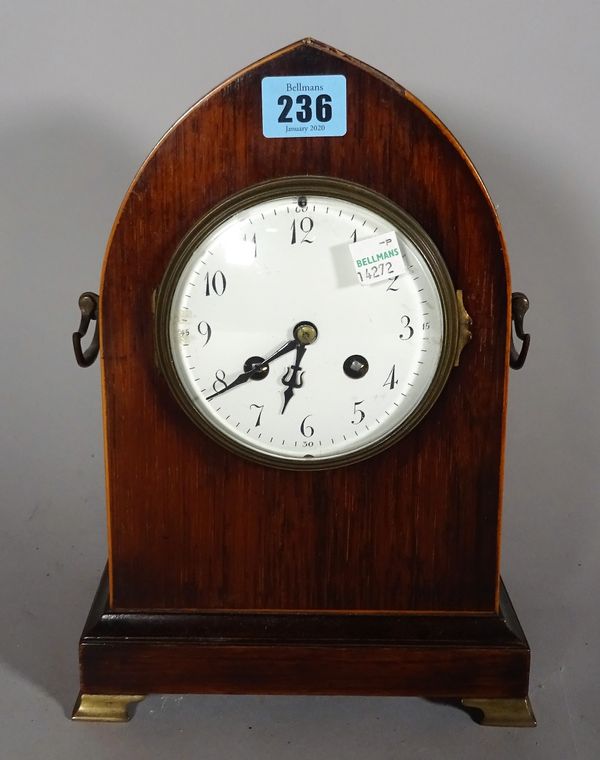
285 349
245 376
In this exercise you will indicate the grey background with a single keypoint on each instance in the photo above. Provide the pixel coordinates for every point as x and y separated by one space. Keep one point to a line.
86 90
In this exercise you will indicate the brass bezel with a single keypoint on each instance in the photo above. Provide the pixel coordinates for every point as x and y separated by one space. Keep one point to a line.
306 185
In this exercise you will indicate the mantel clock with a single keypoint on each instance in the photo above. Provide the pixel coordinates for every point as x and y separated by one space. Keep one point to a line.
305 329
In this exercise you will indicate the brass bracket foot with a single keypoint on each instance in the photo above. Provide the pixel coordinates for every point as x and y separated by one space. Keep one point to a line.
503 712
111 708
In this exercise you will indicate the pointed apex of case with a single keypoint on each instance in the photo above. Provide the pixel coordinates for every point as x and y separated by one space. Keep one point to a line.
311 42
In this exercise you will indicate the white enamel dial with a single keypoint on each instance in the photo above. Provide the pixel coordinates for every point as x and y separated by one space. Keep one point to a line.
358 368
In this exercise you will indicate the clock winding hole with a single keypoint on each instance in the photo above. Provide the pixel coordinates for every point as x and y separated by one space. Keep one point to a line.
356 366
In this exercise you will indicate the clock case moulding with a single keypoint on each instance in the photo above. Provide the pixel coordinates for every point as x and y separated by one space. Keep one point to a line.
227 576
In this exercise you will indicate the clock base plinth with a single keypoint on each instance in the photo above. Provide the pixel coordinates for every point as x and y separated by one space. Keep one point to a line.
514 713
443 656
105 708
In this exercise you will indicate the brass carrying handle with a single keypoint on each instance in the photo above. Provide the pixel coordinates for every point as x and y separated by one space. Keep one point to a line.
519 307
88 306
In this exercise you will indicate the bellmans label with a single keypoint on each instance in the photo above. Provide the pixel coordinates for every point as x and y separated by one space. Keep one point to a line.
303 106
377 258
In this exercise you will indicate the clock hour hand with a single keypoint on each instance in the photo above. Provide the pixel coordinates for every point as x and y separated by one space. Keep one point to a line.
305 334
293 376
245 376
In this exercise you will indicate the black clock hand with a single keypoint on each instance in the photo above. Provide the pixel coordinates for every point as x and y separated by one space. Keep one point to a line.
245 376
295 376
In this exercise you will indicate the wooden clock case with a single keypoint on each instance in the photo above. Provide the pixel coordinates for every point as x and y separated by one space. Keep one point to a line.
227 576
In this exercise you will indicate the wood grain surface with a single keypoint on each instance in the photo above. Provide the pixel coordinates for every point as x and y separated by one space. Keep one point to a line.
289 653
194 527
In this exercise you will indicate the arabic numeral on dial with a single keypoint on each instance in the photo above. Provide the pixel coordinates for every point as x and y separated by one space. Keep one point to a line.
353 238
303 227
205 330
390 380
391 287
219 383
408 332
426 325
360 412
215 284
323 109
258 406
252 240
287 103
307 430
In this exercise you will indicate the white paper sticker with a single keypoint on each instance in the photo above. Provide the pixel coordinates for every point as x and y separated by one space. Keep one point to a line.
377 258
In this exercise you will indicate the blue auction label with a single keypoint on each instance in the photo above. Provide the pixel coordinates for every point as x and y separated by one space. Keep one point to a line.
304 106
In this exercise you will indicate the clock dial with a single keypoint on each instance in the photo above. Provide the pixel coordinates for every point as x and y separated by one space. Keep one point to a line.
277 349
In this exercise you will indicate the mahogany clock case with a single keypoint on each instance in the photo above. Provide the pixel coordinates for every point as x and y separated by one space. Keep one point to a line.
208 536
226 575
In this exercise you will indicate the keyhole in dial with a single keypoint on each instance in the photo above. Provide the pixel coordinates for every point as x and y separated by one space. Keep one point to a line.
253 363
356 366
